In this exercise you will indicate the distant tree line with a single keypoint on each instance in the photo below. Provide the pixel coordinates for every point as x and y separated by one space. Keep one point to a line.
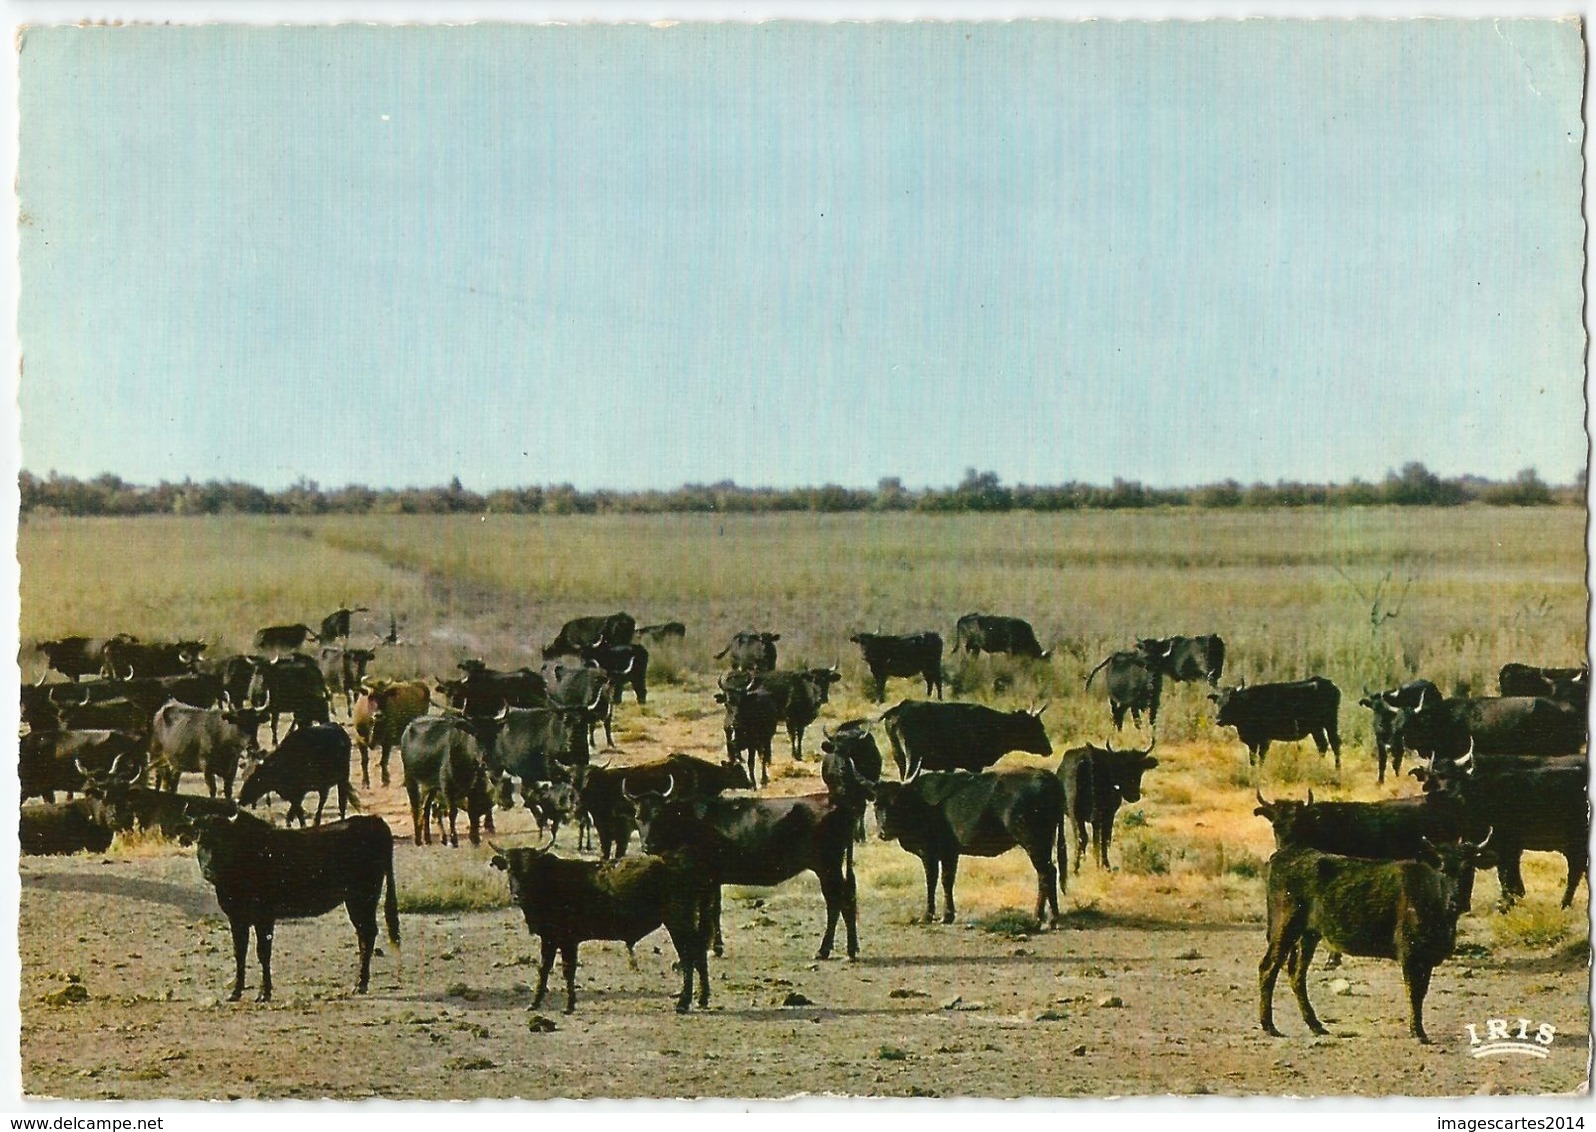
1414 485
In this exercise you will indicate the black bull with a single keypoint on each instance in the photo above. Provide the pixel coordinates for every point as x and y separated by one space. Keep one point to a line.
939 816
1535 804
915 654
607 791
263 875
1492 725
1186 659
592 632
1096 781
932 736
1134 685
1402 910
976 633
1265 713
566 902
761 841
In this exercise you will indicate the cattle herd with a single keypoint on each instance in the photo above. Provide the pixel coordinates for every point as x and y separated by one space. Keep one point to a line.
1500 775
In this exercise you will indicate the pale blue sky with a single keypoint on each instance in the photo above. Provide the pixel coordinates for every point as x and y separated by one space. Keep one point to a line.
799 253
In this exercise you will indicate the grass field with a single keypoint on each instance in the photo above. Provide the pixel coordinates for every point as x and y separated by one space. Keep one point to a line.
1364 597
1292 592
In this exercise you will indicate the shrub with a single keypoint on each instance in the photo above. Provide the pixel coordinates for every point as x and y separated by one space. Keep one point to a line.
1533 924
1146 854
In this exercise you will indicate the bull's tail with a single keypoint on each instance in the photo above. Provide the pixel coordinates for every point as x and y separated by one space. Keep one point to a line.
390 911
899 754
1096 670
1063 841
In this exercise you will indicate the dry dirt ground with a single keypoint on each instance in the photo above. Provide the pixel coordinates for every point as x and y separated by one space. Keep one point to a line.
1115 1003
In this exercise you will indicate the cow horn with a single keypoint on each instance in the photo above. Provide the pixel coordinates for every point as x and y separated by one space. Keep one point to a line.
1257 793
630 664
1240 684
129 675
670 785
504 713
1038 712
626 792
1466 763
1109 745
1422 693
1490 830
598 699
266 704
39 683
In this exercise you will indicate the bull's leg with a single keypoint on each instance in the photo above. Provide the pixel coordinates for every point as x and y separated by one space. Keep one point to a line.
363 914
263 951
568 965
796 738
1080 843
321 804
240 956
1117 710
365 764
881 686
631 956
382 764
415 809
931 865
210 783
1301 957
343 800
1578 861
950 869
1379 755
547 965
297 806
719 945
688 941
832 884
1335 745
1283 938
764 764
1262 749
1046 883
1416 974
1508 875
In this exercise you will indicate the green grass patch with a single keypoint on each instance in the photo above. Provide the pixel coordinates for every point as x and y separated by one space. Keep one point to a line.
1008 922
461 884
1534 925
